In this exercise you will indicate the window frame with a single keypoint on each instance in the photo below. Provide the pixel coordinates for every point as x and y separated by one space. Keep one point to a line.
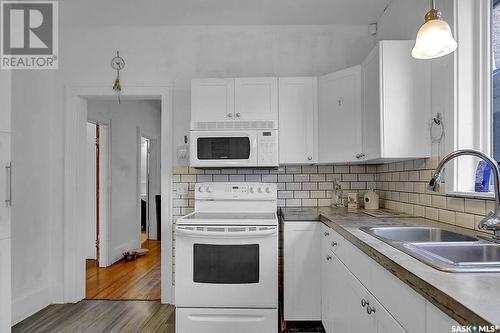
472 114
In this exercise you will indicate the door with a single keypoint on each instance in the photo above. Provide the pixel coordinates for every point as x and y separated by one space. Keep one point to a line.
340 126
301 262
256 98
5 285
372 105
5 185
298 120
212 100
226 266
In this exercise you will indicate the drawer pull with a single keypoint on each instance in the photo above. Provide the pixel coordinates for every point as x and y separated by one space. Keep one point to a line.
327 233
328 257
334 244
370 309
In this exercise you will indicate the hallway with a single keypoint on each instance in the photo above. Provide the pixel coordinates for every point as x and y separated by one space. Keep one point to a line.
134 280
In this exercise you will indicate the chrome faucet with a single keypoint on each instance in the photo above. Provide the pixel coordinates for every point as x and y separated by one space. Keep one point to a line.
492 220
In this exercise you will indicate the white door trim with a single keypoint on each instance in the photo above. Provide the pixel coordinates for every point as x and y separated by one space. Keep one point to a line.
74 181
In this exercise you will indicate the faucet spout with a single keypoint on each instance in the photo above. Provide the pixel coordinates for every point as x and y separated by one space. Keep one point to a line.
492 220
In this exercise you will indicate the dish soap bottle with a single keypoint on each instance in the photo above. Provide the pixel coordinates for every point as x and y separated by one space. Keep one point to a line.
483 172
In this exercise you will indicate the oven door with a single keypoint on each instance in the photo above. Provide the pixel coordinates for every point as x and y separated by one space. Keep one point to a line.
226 266
223 148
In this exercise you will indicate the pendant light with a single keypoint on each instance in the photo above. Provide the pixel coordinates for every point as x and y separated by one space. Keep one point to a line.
434 38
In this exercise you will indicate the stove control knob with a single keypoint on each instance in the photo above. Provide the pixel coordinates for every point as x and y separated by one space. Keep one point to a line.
268 190
260 190
201 189
252 189
209 189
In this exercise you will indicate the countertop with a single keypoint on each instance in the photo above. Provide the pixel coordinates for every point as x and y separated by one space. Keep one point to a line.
469 298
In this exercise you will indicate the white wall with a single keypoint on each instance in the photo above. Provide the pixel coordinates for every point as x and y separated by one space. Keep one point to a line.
90 229
156 54
401 20
124 120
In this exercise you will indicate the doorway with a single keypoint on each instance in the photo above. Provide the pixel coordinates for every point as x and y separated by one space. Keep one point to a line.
133 264
74 182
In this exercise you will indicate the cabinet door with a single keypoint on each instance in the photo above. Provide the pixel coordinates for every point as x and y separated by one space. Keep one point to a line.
371 105
212 99
437 320
5 185
301 263
340 127
298 119
256 98
5 100
329 283
5 286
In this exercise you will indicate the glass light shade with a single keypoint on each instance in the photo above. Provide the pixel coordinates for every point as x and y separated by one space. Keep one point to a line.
434 39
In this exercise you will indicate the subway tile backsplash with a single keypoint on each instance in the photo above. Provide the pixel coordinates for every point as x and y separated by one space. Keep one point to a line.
401 186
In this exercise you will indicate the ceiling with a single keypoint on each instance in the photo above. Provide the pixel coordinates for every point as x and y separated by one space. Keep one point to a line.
219 12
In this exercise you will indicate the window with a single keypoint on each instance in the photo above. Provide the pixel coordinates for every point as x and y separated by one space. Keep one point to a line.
472 119
495 76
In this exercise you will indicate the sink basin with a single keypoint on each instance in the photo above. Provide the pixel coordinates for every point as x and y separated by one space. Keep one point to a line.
442 249
478 256
416 234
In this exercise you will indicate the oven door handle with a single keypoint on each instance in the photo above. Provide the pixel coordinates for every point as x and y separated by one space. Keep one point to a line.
226 234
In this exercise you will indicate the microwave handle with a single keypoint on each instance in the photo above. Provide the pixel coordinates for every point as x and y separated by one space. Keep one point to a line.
226 234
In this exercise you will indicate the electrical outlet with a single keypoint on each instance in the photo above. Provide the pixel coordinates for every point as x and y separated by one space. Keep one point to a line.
181 188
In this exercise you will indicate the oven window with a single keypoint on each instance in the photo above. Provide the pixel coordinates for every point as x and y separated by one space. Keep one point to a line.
223 148
229 264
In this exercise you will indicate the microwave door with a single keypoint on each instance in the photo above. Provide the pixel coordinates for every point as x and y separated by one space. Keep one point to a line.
223 150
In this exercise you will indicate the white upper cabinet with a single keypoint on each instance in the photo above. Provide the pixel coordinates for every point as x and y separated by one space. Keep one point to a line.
212 99
396 103
256 98
298 120
340 127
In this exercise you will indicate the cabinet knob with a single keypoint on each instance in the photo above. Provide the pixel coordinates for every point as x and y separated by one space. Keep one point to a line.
334 244
364 302
328 257
309 158
238 114
341 101
230 115
370 309
361 155
326 233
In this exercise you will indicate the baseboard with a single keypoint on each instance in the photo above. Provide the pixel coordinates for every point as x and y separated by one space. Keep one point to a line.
29 304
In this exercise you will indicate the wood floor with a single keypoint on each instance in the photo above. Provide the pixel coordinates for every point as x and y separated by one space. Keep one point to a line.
101 316
135 280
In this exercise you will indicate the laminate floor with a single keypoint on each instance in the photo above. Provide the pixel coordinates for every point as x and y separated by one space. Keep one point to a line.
90 316
134 280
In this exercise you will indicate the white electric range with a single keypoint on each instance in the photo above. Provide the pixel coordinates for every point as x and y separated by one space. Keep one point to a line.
226 260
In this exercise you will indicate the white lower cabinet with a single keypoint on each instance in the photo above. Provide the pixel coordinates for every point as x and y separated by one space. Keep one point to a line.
358 295
301 264
348 306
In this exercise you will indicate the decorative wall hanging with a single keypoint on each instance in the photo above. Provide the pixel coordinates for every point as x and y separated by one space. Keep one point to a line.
117 63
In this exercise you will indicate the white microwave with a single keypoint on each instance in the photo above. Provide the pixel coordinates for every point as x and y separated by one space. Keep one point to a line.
234 148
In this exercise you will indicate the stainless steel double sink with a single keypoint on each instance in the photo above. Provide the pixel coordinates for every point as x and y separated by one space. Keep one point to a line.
442 249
